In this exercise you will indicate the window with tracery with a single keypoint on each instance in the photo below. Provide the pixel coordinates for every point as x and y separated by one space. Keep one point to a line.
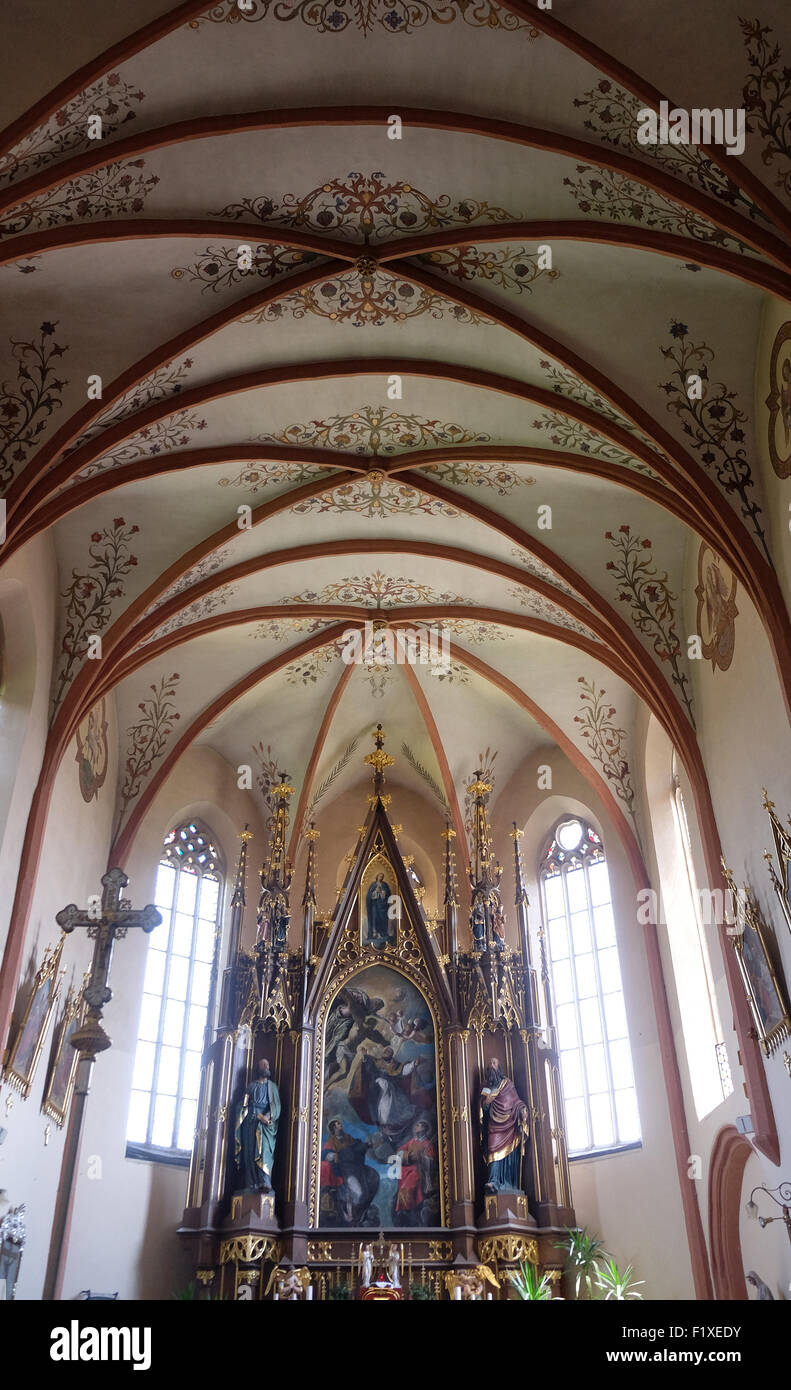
173 1014
590 1015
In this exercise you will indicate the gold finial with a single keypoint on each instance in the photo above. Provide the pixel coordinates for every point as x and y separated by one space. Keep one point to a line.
282 789
245 836
516 833
385 800
479 787
449 833
312 834
768 805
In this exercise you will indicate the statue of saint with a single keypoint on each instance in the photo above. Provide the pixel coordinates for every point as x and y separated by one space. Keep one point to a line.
380 927
504 1126
394 1266
366 1262
255 1133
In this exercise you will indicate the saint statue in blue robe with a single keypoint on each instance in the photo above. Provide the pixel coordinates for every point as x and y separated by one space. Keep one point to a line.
255 1133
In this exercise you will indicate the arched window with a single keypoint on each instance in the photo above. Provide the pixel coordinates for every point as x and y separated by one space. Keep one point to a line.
593 1038
166 1077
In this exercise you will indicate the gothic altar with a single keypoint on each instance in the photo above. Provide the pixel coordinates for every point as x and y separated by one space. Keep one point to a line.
380 1108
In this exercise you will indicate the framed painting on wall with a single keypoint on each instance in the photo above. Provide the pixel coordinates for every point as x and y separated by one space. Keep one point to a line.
25 1050
59 1084
762 975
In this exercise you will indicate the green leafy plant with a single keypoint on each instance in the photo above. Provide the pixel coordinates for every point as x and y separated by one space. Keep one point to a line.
583 1250
527 1283
189 1292
612 1284
422 1293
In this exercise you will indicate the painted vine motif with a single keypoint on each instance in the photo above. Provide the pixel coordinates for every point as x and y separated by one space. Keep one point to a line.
163 435
393 16
376 590
375 429
209 564
268 773
217 268
713 423
148 738
364 297
255 476
27 404
496 476
365 208
537 567
167 380
510 268
112 190
612 114
550 612
375 495
606 740
650 601
572 436
608 193
767 96
200 608
90 596
111 97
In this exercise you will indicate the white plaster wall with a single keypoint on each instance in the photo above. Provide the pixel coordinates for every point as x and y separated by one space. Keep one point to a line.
124 1227
632 1200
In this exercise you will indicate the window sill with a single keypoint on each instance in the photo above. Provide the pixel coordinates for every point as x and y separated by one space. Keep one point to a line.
605 1153
149 1153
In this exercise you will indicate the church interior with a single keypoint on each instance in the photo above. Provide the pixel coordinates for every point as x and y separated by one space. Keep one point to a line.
395 650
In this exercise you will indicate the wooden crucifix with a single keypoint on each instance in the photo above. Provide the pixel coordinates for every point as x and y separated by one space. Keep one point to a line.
106 918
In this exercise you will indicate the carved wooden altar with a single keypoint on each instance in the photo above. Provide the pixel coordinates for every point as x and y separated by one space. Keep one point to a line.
319 1014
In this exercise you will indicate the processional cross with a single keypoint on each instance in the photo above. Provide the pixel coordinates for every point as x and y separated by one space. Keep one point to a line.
107 918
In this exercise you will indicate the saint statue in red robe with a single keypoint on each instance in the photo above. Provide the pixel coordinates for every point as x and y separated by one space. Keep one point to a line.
504 1128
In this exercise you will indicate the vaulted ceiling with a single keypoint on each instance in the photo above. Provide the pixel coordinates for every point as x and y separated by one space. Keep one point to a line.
342 378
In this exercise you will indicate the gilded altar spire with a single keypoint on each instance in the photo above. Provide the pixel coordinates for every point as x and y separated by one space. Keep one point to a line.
484 869
309 896
239 899
379 760
277 872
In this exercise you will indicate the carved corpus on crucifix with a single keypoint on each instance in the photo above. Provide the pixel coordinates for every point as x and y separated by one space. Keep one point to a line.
106 918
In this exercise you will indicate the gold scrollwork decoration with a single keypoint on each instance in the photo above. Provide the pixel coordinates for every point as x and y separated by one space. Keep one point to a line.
248 1249
508 1249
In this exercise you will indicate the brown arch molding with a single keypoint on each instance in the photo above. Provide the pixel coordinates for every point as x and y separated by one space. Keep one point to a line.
740 552
451 122
625 236
591 53
29 484
729 1154
682 472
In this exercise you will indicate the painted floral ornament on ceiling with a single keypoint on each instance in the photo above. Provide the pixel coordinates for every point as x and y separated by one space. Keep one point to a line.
612 115
365 208
375 495
606 740
27 404
377 590
364 297
778 402
717 612
392 16
651 603
92 752
374 430
166 381
66 132
91 595
767 96
148 739
715 424
217 268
